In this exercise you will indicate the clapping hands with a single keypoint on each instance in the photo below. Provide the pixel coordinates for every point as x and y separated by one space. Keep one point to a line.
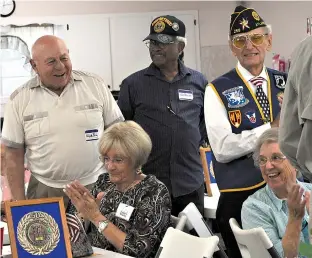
297 201
86 205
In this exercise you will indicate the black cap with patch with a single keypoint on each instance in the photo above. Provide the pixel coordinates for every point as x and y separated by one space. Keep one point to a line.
165 28
245 19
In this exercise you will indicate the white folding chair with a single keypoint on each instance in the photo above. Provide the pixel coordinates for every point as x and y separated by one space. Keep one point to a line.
6 238
177 243
178 222
196 221
253 243
211 199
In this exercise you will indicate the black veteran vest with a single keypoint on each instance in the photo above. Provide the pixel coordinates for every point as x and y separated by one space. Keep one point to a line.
244 113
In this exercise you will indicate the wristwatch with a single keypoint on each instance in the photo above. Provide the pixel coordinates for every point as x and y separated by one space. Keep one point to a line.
102 225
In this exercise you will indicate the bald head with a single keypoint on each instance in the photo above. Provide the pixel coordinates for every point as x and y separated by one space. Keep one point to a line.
45 42
51 62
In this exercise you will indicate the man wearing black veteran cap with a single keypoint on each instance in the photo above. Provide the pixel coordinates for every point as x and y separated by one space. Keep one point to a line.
167 100
239 106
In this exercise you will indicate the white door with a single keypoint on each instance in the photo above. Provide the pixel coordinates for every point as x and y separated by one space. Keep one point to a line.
190 59
190 51
129 53
89 45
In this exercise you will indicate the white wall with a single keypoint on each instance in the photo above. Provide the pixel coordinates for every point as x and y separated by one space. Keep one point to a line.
214 17
287 18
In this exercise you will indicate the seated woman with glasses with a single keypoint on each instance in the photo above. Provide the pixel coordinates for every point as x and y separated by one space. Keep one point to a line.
129 211
281 207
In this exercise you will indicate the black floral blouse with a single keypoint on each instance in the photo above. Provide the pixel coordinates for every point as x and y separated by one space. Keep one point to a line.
149 219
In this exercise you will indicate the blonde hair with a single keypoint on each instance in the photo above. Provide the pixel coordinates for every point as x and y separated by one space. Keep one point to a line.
129 139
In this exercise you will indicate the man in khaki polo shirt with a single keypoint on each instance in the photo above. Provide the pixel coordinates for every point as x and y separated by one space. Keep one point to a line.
57 118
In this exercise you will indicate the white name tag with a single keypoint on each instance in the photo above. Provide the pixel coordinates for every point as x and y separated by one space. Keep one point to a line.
92 135
185 95
124 211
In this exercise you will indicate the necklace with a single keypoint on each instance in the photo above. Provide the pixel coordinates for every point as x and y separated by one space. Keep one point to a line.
136 181
129 186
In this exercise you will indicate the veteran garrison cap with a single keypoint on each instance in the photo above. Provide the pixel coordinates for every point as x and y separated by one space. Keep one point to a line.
165 28
244 20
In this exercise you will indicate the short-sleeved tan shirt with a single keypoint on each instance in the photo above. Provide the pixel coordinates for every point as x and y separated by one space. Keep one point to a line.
61 133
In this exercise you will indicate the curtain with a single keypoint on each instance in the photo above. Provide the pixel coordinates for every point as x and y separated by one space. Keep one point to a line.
21 38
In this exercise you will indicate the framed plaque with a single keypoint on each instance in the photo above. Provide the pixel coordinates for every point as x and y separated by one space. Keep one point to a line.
38 228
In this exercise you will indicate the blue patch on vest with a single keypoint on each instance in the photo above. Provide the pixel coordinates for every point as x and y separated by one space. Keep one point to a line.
235 97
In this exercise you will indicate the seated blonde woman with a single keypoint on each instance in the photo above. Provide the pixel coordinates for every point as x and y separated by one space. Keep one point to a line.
129 211
280 208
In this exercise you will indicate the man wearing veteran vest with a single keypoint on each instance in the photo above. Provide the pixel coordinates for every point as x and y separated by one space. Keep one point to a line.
239 106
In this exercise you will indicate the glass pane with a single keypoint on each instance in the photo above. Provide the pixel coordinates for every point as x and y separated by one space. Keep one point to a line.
13 65
11 84
13 71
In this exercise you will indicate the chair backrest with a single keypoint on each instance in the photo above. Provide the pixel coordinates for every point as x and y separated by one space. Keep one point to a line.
178 222
206 160
196 221
177 243
253 243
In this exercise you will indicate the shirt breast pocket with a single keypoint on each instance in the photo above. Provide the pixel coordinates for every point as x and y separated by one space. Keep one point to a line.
189 101
88 116
36 125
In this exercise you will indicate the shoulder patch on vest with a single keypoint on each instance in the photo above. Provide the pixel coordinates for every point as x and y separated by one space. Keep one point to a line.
235 117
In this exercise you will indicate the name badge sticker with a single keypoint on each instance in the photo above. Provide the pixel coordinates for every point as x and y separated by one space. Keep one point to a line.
185 95
92 135
124 211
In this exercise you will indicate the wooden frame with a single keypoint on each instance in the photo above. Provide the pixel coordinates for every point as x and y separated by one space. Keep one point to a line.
203 158
48 210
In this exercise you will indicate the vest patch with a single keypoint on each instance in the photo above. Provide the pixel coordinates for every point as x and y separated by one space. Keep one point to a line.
251 115
280 81
235 97
235 117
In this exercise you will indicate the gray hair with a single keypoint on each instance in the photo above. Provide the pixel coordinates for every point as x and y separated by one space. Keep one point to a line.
269 136
128 138
181 39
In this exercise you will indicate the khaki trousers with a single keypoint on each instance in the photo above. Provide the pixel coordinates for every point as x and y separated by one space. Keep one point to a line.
37 190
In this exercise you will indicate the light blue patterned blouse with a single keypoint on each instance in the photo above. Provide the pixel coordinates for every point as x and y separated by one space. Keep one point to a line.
264 209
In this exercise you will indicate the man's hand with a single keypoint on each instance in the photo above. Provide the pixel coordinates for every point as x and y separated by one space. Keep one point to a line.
280 99
276 121
2 161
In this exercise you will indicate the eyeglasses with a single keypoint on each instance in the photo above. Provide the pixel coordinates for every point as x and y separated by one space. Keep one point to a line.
153 43
275 159
255 39
116 161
